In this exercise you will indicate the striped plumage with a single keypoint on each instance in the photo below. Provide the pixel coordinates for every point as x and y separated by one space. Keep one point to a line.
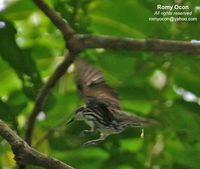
102 110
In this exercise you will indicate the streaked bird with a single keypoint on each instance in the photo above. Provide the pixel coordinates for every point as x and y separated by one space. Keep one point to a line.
102 110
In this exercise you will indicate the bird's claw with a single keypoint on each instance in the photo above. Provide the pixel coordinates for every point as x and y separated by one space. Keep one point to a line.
89 143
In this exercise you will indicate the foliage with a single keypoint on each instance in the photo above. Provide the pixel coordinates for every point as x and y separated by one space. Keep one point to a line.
162 86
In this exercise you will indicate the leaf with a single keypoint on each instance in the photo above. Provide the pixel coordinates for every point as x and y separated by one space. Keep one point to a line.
5 112
18 10
20 60
12 107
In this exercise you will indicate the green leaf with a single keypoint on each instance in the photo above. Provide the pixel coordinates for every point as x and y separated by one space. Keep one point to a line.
12 107
20 60
18 10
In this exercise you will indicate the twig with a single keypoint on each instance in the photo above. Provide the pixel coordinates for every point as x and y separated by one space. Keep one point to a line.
58 21
156 45
43 93
26 155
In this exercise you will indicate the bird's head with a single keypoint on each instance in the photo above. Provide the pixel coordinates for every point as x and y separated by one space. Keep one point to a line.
78 115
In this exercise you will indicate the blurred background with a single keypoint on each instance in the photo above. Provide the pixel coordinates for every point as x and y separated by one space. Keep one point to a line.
162 86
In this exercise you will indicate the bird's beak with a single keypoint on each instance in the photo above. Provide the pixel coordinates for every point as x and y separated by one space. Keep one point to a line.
71 120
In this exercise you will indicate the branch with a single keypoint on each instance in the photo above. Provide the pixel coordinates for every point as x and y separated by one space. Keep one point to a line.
58 21
24 154
115 43
43 93
156 45
69 34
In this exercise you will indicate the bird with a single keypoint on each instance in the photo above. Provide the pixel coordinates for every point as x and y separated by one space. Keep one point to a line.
102 109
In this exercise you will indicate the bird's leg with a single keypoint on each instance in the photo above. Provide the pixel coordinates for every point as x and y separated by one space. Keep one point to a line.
93 142
82 134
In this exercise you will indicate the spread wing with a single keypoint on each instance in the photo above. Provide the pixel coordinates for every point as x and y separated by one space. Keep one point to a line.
91 84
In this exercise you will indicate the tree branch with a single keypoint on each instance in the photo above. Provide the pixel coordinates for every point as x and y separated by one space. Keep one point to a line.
58 21
69 35
43 93
24 154
156 45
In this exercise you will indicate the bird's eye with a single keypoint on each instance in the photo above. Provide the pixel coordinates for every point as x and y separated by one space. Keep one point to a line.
79 110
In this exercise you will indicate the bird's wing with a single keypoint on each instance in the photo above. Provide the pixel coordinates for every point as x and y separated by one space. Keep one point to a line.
91 84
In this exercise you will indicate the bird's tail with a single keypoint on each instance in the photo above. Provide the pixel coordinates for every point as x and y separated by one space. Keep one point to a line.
136 121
